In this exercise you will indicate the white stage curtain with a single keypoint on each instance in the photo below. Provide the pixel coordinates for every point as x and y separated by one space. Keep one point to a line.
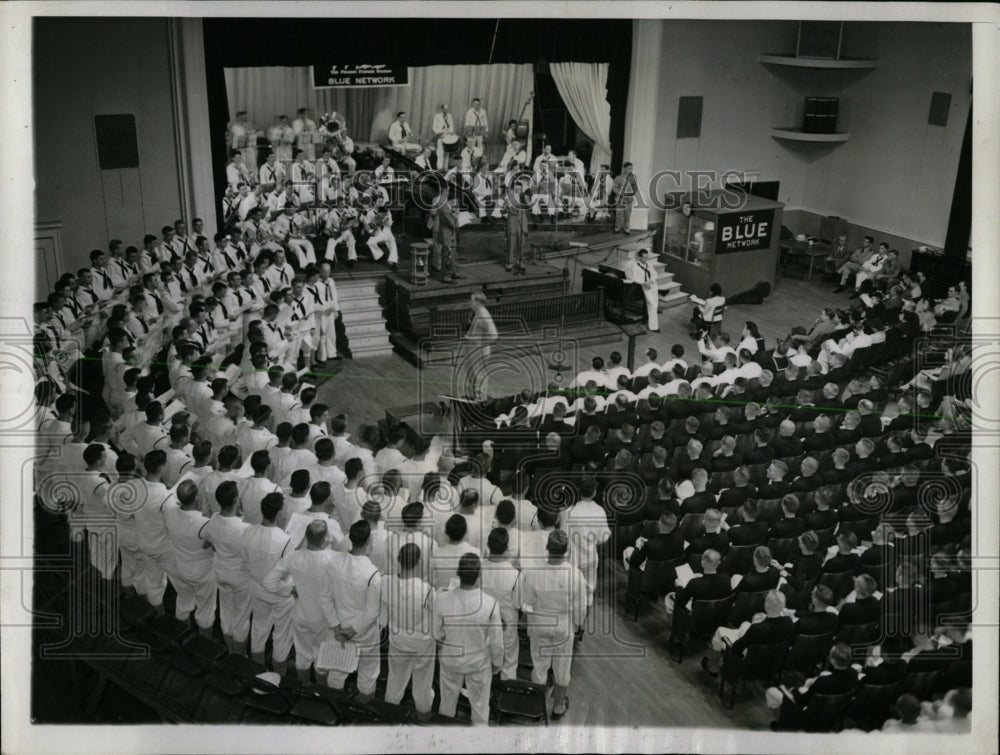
266 92
583 88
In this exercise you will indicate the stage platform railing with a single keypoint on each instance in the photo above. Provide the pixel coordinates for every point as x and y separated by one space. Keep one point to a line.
567 309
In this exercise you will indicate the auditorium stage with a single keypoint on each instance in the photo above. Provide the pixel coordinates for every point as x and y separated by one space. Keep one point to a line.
545 300
479 244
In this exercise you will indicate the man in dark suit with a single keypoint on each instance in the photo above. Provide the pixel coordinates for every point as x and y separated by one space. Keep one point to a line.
840 679
725 458
871 424
863 460
821 439
749 531
516 230
838 474
775 487
865 608
740 492
662 501
849 431
803 570
709 585
763 576
761 451
820 617
710 536
588 447
845 560
822 517
773 627
788 525
666 544
808 478
786 444
678 436
702 500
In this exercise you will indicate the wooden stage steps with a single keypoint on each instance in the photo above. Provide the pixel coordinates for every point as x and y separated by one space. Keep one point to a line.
364 321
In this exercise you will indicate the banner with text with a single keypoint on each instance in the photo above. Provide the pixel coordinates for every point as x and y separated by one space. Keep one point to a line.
744 231
334 75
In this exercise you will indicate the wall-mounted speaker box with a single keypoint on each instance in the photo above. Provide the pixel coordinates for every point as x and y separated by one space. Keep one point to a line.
940 105
820 115
117 144
819 39
689 117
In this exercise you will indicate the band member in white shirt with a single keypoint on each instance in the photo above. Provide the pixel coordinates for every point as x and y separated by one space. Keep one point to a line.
304 127
101 282
343 147
642 272
302 321
282 137
340 226
243 136
328 173
599 193
279 273
247 200
181 241
303 178
401 135
424 158
327 312
272 174
290 227
384 172
378 221
475 117
513 158
236 171
485 190
545 158
444 124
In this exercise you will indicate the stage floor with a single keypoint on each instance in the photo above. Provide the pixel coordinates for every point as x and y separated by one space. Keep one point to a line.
478 245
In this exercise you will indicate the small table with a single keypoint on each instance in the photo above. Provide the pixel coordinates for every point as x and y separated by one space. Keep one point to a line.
797 248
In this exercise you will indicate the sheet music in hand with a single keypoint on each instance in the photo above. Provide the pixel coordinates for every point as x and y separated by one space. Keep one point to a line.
336 656
684 575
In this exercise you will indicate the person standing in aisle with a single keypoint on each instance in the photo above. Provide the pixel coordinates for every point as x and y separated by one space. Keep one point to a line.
554 596
407 610
468 626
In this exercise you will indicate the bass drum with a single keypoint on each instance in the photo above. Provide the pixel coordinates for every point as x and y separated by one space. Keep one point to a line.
451 143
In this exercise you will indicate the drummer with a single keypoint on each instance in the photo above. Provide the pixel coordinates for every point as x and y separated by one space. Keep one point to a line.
444 132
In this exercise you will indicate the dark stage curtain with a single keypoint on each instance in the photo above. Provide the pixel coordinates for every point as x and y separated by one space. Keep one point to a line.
956 243
235 43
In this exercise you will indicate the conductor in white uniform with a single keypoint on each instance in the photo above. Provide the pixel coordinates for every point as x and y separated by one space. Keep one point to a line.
642 272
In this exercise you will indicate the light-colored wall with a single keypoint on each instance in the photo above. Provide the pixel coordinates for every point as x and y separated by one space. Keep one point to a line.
894 176
718 61
86 67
